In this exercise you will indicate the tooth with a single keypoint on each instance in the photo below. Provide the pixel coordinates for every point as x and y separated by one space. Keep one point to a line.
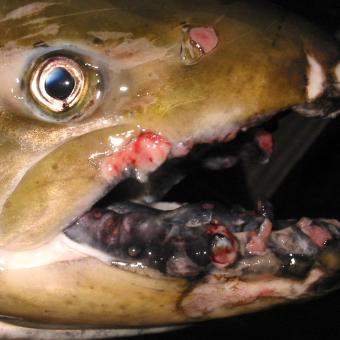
258 243
337 76
316 78
318 235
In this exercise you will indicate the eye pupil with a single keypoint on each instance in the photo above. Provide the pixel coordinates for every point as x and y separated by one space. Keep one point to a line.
59 83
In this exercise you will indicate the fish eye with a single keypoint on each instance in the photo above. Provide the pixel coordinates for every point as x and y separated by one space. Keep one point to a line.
57 83
63 86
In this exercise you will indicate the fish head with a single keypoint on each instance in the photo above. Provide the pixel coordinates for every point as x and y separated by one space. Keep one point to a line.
96 92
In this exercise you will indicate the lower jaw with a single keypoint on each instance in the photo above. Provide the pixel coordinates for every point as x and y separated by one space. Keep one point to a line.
184 298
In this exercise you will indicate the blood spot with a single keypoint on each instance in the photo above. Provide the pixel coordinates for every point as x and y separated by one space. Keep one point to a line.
146 154
224 246
265 142
108 223
206 37
97 214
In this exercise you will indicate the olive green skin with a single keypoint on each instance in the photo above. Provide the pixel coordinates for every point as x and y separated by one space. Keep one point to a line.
258 68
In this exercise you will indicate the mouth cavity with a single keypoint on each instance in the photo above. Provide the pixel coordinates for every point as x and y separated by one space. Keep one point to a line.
192 240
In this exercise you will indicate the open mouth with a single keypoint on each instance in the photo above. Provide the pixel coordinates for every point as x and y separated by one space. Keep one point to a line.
135 228
155 225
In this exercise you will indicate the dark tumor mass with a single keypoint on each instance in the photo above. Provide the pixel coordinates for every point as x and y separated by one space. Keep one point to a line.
199 251
59 83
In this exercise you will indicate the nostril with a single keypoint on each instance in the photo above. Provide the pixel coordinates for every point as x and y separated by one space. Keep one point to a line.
205 37
197 42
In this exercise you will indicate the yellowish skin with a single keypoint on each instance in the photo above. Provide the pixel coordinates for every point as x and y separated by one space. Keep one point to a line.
258 68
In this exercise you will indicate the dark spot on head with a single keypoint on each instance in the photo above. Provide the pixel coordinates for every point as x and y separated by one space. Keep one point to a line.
97 41
40 44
